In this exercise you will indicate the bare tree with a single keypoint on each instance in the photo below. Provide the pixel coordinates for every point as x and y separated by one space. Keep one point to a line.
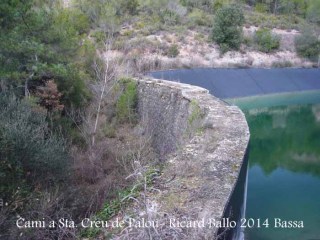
106 72
106 69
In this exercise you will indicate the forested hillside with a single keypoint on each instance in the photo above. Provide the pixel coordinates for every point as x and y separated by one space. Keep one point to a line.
68 137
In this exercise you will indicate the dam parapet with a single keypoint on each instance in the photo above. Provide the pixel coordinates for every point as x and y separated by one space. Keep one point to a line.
202 142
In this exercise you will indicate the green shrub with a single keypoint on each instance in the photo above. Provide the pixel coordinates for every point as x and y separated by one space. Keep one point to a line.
109 130
274 21
46 43
266 41
206 5
217 5
195 112
127 102
247 40
308 45
169 17
99 36
227 27
173 51
261 8
313 11
199 17
282 64
131 6
29 153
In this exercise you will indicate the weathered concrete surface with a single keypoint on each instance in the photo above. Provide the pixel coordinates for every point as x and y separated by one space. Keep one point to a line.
164 112
201 168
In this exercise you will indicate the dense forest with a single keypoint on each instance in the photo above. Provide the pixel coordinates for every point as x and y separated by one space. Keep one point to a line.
68 107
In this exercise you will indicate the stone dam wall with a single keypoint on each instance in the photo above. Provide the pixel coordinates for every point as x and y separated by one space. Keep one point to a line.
202 142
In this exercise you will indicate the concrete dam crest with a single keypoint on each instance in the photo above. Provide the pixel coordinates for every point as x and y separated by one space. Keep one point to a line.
202 141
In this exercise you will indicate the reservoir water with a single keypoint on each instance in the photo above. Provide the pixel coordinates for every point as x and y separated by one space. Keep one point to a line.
284 171
283 174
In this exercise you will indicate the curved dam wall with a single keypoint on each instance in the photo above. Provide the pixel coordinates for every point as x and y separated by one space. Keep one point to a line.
202 142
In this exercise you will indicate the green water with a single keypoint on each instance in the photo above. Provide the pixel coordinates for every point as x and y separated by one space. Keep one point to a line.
282 99
284 171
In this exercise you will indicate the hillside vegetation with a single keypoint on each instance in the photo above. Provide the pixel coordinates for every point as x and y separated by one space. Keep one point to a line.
69 130
146 32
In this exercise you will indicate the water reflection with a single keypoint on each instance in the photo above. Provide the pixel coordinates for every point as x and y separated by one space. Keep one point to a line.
316 112
286 137
284 171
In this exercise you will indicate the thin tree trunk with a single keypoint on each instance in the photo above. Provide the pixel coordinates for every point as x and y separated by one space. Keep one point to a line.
26 90
275 7
100 102
105 77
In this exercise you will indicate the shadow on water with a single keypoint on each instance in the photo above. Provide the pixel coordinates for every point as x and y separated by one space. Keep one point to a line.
236 207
